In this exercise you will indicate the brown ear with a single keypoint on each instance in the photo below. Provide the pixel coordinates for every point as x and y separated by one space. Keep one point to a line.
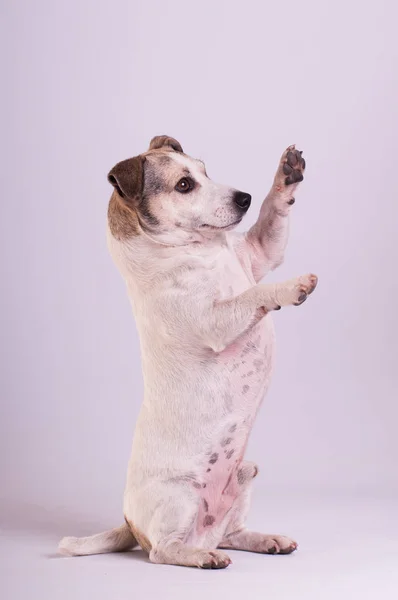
127 177
166 142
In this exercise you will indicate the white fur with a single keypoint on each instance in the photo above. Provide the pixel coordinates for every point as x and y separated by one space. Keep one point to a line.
207 342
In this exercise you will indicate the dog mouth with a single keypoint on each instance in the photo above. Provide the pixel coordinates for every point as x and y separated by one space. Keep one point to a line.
224 227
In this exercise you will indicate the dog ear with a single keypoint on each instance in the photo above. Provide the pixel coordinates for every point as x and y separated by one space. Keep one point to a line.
127 177
166 142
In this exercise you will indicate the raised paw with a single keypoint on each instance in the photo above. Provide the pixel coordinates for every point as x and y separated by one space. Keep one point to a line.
213 559
290 171
306 286
293 165
295 291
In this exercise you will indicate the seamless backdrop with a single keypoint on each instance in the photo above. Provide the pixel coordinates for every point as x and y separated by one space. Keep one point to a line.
87 84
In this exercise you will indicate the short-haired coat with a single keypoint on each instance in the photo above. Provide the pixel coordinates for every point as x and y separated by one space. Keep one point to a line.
207 344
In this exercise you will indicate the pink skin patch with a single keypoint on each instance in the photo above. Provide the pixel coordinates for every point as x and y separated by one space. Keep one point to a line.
220 487
245 363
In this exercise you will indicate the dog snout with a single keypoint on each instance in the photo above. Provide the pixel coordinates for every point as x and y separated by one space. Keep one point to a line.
242 200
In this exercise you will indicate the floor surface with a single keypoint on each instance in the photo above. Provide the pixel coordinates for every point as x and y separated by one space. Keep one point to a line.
348 548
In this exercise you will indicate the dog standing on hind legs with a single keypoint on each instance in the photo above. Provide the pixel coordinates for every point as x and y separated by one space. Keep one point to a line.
207 342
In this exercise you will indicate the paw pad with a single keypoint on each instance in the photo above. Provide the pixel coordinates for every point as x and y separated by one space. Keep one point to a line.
293 167
306 289
302 298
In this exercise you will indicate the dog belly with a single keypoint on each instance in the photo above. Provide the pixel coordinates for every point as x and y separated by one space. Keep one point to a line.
249 362
204 449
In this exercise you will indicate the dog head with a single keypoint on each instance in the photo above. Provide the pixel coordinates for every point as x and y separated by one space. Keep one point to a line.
168 195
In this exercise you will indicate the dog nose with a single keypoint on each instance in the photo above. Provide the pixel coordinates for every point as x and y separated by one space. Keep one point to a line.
242 200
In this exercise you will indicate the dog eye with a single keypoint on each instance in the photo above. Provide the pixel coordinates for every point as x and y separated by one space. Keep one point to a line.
185 185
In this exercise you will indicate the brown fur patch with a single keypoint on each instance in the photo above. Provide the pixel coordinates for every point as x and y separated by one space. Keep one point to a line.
165 142
139 536
139 183
127 177
122 219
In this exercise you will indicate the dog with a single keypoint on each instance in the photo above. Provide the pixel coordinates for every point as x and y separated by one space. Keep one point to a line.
207 345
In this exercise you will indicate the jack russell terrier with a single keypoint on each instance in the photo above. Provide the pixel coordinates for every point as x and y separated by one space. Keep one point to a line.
207 344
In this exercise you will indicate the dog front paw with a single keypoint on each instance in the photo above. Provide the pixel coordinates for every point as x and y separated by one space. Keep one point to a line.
305 286
295 291
291 169
293 165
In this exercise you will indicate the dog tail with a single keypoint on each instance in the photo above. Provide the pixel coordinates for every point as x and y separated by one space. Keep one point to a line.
115 540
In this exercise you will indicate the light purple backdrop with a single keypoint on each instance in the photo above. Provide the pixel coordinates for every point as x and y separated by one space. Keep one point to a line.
88 84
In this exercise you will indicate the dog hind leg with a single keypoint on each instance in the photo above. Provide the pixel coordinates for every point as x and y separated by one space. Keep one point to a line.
237 537
170 532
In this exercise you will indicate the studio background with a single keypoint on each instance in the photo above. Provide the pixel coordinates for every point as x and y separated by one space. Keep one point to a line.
87 84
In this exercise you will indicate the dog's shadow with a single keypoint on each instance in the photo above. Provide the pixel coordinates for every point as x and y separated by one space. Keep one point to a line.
136 554
18 519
